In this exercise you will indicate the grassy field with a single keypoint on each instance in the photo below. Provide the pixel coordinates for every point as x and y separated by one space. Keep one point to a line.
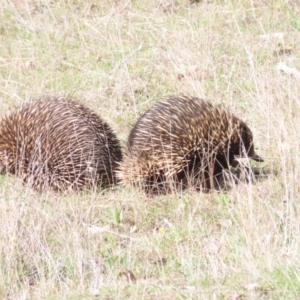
119 58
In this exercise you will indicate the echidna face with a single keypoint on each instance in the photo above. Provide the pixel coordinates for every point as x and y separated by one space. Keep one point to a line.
247 147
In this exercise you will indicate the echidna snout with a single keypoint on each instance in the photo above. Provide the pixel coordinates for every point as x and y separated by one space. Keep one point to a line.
254 156
248 146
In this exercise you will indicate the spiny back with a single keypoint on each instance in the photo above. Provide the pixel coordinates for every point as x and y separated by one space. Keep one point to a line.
57 142
185 124
180 134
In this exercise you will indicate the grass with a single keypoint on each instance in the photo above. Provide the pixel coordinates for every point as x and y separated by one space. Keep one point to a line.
119 58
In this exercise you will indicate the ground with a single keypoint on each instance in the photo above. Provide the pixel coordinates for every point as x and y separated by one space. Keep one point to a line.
119 58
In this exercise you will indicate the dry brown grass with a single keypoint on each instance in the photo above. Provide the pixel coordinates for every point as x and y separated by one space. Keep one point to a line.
119 58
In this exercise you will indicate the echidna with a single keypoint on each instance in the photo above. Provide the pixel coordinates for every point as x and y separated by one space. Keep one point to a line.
182 140
58 143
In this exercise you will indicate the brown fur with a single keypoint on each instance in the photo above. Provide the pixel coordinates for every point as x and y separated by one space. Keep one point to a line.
58 143
184 140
